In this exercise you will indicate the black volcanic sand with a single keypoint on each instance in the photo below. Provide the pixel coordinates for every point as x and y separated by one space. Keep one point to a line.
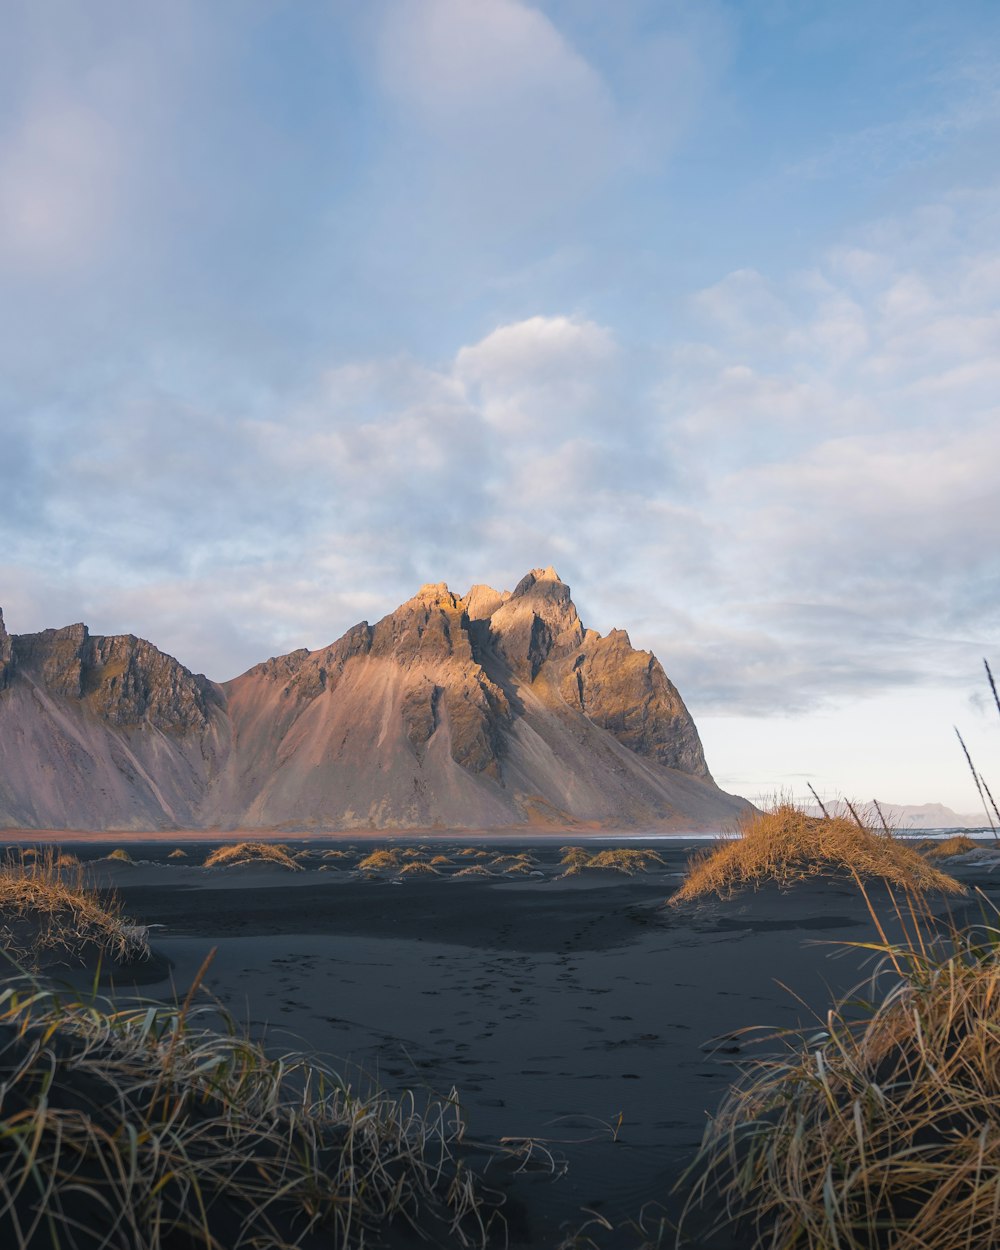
580 1013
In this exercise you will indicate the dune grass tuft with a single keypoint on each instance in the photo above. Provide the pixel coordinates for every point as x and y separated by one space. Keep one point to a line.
47 911
252 853
625 859
574 856
440 859
130 1126
512 863
784 845
178 854
120 856
380 861
883 1128
474 870
417 868
959 844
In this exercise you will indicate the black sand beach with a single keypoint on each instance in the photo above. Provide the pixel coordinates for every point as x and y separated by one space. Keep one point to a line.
578 1013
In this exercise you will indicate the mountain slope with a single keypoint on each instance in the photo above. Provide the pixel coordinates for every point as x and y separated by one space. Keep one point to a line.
103 733
491 710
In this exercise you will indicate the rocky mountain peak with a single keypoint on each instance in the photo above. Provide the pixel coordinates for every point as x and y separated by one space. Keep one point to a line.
429 627
545 582
438 594
123 679
538 619
482 601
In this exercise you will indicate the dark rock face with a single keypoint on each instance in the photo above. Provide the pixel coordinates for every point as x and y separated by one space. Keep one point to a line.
122 679
627 693
486 711
6 654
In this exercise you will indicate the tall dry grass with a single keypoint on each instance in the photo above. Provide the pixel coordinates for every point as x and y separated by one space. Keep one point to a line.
881 1130
133 1127
47 910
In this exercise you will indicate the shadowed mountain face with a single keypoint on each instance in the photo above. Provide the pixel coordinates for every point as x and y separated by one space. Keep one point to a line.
486 711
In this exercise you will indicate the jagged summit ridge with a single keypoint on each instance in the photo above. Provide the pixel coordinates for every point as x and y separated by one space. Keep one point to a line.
488 709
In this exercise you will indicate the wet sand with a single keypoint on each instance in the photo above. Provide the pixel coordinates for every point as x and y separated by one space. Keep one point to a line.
579 1012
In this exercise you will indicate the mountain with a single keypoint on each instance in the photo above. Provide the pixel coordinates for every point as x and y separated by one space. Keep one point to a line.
491 710
905 816
916 816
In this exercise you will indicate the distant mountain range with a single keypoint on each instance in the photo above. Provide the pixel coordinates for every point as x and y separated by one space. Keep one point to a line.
915 816
492 710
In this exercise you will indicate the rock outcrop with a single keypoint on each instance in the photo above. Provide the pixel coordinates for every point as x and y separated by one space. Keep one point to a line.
489 710
6 655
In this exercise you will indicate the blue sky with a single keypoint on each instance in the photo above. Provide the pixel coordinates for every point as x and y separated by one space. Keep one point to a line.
304 304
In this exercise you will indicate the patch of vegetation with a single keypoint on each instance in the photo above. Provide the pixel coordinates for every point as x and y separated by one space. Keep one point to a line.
574 856
120 856
252 853
784 845
881 1130
625 859
474 870
414 869
512 863
132 1127
48 913
178 854
380 861
957 845
440 859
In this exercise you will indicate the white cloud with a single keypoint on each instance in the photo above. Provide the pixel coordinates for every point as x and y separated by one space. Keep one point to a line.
545 375
509 118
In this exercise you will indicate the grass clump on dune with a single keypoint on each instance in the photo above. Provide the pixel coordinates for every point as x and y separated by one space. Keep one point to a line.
120 856
881 1130
380 861
252 853
626 859
131 1127
574 856
178 854
415 869
784 845
474 870
957 845
512 863
47 913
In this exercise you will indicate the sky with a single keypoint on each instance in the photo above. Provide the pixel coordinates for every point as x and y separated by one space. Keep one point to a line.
303 304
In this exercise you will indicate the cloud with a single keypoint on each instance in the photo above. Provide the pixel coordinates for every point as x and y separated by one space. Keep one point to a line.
543 375
510 117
